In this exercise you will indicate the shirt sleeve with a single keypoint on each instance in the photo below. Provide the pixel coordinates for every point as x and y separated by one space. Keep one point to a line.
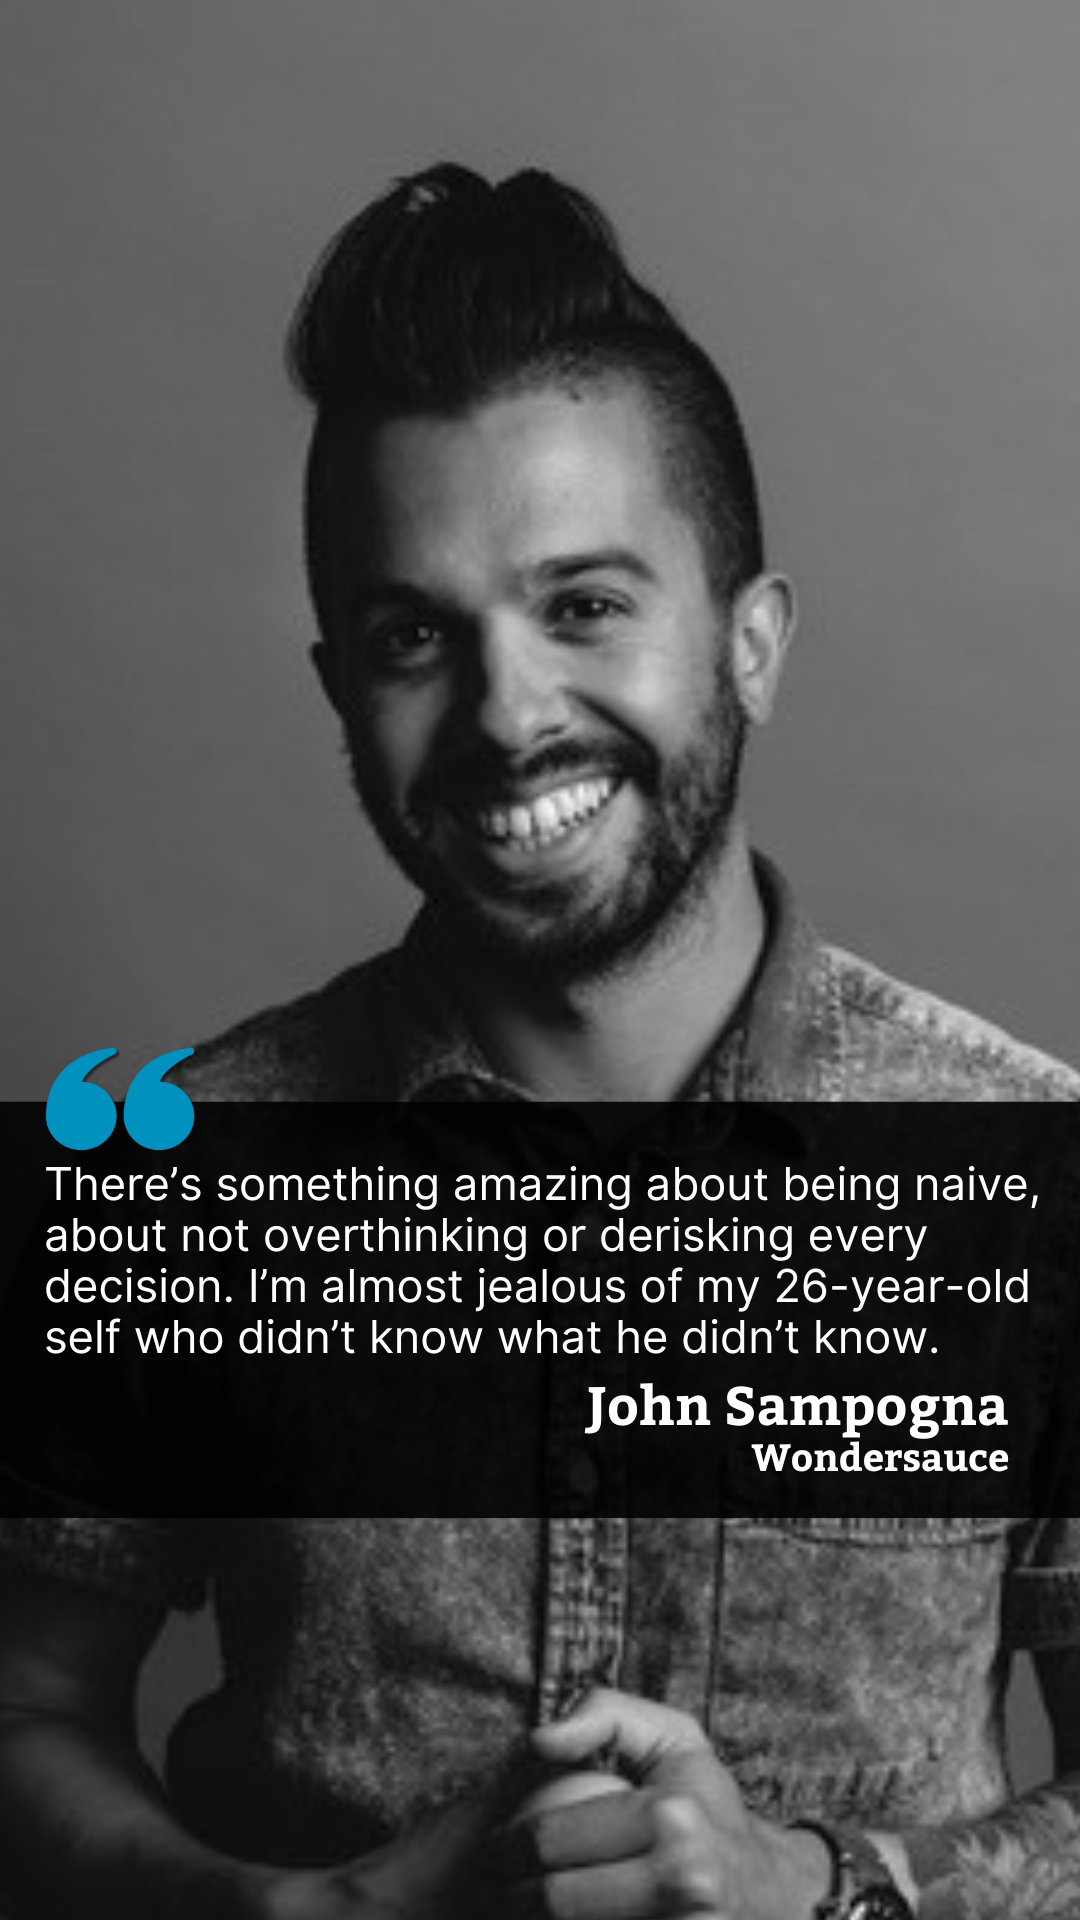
1041 1600
163 1562
88 1435
1041 1604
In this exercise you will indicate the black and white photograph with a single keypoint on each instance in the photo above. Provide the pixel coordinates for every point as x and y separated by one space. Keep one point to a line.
543 603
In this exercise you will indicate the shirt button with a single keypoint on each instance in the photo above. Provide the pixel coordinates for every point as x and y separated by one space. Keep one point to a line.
583 1476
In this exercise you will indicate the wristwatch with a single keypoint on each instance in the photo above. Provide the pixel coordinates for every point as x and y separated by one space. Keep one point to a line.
861 1887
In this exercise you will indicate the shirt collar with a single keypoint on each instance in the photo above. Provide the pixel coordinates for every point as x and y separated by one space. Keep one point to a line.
438 1057
785 1039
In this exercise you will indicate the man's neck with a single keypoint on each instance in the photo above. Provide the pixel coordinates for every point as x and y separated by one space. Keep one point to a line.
639 1032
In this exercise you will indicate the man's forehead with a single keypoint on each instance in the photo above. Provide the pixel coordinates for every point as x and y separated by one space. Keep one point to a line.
540 473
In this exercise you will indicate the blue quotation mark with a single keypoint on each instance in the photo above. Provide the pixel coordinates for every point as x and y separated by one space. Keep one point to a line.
81 1116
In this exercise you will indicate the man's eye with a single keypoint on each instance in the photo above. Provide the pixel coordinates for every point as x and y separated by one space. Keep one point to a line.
585 611
407 643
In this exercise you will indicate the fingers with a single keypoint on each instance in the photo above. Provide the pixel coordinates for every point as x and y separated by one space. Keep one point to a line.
591 1831
640 1732
656 1746
673 1847
674 1870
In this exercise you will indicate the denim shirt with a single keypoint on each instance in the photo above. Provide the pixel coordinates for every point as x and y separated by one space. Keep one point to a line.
849 1670
814 1024
845 1669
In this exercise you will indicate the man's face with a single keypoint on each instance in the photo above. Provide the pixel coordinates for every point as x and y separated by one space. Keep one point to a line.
532 670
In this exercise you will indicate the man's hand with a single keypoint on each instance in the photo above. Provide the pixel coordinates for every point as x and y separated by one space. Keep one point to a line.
431 1872
680 1842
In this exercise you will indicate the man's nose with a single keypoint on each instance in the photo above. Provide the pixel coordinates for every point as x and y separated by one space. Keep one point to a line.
517 694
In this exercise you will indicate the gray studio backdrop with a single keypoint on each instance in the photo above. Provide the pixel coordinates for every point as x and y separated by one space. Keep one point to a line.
870 212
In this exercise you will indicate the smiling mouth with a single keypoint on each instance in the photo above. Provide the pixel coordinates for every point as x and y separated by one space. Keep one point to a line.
528 826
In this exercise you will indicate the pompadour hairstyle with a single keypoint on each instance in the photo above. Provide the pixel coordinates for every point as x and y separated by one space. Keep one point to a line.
450 290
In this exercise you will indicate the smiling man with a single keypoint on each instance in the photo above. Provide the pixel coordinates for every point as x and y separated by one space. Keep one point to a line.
545 706
547 624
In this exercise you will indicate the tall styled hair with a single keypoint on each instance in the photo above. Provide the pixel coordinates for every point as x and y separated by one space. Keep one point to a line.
450 290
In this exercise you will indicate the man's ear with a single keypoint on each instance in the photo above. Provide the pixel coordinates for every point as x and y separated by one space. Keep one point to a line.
322 659
761 624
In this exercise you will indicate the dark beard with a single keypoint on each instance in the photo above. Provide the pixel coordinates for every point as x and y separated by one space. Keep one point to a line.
562 941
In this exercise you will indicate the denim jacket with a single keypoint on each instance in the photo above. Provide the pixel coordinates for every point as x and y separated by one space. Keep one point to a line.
848 1670
815 1024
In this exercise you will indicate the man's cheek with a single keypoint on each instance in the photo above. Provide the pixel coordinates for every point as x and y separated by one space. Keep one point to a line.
392 745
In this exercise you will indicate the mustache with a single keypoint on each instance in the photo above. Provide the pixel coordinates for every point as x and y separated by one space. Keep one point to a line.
484 776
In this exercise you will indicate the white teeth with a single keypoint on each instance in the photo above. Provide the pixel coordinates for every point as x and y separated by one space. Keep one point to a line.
549 817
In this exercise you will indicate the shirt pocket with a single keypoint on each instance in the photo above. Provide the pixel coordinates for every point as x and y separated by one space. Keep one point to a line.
858 1668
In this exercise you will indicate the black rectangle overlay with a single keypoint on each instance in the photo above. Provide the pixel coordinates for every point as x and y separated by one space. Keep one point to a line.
503 1308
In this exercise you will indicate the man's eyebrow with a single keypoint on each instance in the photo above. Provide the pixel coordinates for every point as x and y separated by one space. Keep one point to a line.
376 591
569 566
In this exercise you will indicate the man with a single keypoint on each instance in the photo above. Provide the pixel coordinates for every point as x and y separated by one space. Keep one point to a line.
546 623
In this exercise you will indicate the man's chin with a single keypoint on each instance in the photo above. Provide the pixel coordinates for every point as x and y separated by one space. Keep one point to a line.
549 950
533 944
555 930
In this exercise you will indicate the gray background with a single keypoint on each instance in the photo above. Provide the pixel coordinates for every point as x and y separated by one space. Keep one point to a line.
868 211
